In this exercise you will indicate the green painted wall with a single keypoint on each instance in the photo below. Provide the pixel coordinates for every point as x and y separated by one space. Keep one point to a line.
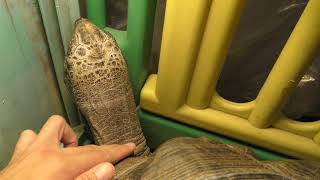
28 88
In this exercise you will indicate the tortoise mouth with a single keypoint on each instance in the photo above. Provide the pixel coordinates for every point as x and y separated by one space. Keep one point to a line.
81 20
85 26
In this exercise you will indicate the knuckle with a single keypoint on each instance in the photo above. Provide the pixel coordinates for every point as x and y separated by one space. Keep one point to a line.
42 152
27 132
107 156
105 153
92 147
26 136
57 119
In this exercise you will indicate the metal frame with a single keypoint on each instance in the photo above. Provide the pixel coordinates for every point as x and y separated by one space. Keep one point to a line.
193 51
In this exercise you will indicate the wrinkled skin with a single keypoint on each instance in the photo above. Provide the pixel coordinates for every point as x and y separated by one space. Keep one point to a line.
97 75
202 158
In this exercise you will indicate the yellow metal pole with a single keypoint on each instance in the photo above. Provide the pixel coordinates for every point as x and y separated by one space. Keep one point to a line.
291 143
307 129
183 27
297 55
222 21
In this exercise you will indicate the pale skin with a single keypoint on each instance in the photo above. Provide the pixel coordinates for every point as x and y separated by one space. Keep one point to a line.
38 156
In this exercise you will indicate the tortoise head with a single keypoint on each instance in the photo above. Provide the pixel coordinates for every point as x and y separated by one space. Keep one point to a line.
89 42
90 50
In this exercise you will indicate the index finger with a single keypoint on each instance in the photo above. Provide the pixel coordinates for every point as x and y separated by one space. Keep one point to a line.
86 157
104 153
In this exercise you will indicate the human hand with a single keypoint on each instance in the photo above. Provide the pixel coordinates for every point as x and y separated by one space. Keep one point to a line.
39 156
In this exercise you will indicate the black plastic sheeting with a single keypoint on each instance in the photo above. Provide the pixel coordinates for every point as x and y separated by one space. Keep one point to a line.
264 28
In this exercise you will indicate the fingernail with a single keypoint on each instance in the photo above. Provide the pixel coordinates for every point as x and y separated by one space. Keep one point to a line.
131 145
105 171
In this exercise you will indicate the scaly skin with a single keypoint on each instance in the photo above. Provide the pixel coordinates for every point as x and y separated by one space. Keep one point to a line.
97 75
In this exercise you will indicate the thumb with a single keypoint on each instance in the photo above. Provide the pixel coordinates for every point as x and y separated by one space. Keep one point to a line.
102 171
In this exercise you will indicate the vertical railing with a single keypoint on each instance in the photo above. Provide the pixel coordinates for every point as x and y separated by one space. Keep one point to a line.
139 33
221 24
297 55
183 28
195 41
96 12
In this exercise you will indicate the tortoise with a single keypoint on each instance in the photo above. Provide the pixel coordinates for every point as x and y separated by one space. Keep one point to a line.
96 73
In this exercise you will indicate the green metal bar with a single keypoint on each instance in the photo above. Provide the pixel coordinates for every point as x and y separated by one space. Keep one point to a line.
140 28
159 129
135 43
96 12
